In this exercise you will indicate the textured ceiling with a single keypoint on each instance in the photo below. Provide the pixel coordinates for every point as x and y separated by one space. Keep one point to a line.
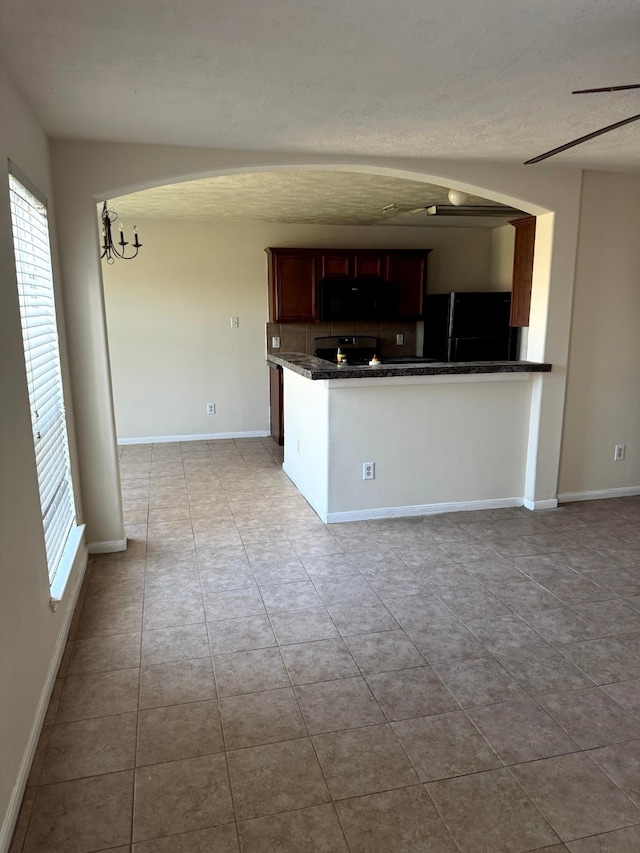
461 79
326 198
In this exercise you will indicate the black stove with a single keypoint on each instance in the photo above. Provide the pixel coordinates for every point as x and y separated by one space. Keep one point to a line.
359 350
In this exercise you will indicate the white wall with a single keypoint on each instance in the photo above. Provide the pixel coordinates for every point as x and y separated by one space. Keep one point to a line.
172 346
169 315
457 441
31 634
87 172
438 443
306 438
603 390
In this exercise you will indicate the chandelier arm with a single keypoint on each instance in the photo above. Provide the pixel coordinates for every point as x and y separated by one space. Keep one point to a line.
110 249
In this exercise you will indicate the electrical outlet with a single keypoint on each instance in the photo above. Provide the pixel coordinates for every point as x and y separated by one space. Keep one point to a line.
368 470
235 322
275 342
211 408
399 340
618 452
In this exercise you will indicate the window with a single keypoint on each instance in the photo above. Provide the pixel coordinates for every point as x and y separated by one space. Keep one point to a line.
42 361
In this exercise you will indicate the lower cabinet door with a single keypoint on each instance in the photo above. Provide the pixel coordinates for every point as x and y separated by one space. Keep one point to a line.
275 397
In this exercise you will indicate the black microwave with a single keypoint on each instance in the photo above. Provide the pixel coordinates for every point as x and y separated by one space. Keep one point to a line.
355 299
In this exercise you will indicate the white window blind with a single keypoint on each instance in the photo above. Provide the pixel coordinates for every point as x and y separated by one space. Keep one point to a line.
42 360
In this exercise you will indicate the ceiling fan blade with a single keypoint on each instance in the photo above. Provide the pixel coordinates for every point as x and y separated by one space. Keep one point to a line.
581 139
605 89
499 210
391 210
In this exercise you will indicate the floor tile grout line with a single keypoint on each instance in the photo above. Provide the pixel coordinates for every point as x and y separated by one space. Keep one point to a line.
442 818
135 758
580 752
490 655
634 803
533 803
223 736
31 811
292 689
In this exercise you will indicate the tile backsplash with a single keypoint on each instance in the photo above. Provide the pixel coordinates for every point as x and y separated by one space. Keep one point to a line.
299 337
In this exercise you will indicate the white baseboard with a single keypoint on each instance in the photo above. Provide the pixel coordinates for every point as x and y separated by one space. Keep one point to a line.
107 547
11 817
396 511
550 503
210 436
600 494
420 509
311 499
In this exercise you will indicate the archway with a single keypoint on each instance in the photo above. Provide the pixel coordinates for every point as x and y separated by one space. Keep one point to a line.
93 172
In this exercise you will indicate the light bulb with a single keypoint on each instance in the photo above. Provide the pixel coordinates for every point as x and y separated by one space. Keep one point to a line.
457 197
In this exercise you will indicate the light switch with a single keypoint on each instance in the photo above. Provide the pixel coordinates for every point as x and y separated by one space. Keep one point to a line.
235 322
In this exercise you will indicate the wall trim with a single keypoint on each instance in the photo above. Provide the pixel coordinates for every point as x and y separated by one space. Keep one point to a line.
399 511
550 503
11 817
107 547
600 494
209 436
310 498
420 509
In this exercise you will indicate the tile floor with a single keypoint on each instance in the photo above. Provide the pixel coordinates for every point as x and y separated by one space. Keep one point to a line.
244 678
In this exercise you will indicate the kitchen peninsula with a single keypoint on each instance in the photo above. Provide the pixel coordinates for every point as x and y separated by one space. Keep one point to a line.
442 436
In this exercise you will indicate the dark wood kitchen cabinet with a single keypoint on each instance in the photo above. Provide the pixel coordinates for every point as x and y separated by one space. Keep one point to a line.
407 273
276 403
522 269
336 265
292 286
294 275
370 265
353 264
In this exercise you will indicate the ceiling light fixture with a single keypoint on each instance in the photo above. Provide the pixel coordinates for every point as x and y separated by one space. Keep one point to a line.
109 250
457 197
472 210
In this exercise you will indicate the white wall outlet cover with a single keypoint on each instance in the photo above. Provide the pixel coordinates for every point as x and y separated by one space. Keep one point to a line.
275 342
235 322
211 408
368 470
399 340
618 452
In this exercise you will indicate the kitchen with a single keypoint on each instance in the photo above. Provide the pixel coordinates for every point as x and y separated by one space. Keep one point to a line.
406 425
174 348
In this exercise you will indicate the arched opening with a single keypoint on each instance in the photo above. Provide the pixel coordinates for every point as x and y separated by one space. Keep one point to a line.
96 172
473 255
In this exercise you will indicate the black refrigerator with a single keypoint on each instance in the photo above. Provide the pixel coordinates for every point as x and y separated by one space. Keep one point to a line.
469 327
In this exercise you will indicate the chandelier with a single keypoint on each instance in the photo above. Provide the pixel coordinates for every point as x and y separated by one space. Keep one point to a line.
109 248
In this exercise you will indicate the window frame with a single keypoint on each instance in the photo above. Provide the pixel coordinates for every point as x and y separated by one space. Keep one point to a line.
33 261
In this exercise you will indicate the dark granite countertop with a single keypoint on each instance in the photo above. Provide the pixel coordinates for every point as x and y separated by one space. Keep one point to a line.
317 368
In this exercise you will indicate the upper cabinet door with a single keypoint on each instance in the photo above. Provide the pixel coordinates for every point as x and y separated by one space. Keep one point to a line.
336 265
294 275
292 286
370 265
522 269
408 277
